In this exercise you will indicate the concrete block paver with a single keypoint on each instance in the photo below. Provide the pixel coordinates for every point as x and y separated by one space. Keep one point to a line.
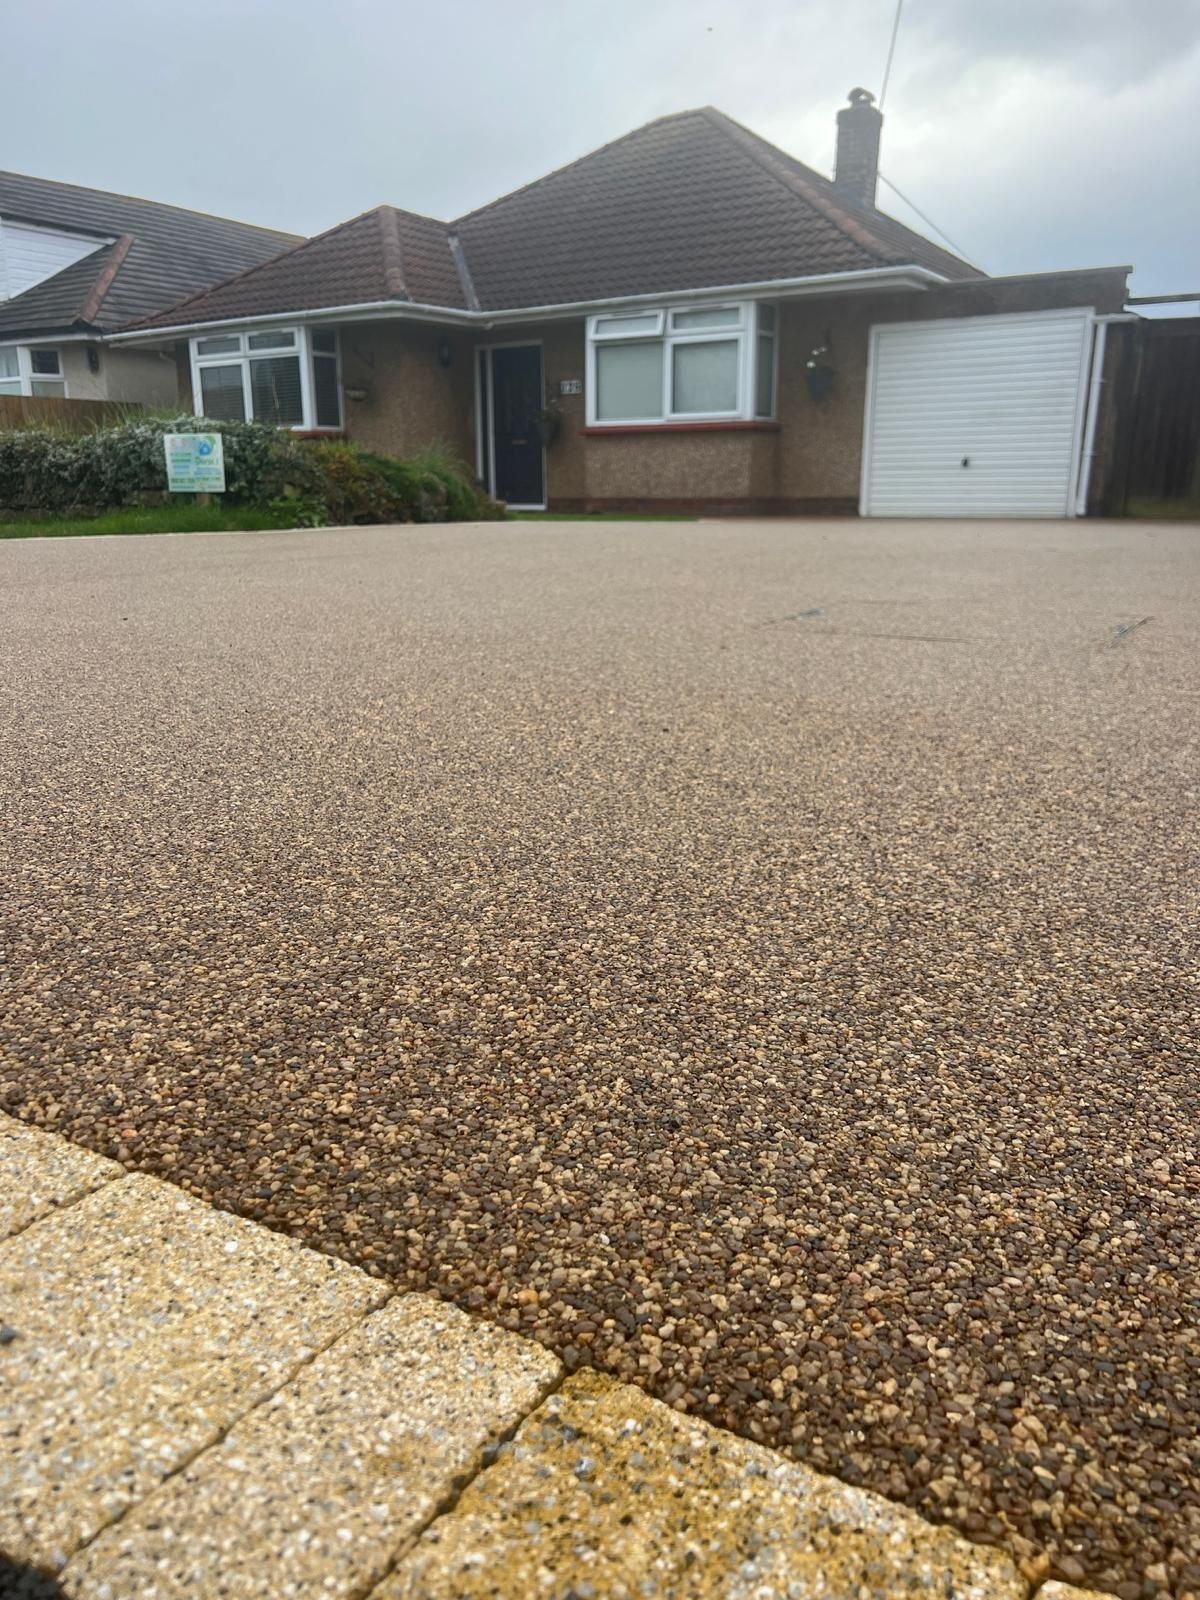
41 1171
316 1491
146 1323
605 1493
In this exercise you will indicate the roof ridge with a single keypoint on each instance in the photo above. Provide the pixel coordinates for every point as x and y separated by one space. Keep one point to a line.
162 205
610 144
393 252
757 148
462 267
247 272
116 253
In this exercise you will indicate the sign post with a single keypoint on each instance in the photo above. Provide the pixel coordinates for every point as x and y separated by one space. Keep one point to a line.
195 463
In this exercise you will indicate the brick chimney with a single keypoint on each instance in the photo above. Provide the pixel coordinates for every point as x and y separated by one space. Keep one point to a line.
857 168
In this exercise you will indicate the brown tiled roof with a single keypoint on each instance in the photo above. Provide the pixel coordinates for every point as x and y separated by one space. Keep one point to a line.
171 253
691 201
385 254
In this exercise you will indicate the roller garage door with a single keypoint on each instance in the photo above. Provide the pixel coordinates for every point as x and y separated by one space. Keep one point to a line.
976 416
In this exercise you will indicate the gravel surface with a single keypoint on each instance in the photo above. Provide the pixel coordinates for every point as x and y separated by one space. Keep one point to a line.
757 960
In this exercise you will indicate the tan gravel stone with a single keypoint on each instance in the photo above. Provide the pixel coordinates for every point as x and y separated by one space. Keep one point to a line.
41 1171
1065 1591
606 1493
146 1323
757 959
317 1490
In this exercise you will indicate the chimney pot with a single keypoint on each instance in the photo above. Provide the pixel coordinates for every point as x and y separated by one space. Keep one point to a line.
856 173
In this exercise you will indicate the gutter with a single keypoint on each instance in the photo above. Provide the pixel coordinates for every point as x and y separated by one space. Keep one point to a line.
909 277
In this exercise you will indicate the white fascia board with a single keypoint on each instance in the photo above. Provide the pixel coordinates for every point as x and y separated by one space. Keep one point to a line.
412 311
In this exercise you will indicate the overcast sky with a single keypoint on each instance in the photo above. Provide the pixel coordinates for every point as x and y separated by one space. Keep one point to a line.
1038 133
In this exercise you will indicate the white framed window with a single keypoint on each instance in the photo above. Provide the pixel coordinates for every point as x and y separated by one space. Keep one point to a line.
287 376
32 371
682 364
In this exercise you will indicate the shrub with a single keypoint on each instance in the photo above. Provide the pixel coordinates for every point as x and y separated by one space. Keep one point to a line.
44 469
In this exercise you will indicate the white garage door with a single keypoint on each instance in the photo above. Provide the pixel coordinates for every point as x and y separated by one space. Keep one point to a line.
976 416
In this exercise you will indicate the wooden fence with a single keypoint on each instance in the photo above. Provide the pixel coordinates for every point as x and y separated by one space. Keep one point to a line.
1153 454
75 416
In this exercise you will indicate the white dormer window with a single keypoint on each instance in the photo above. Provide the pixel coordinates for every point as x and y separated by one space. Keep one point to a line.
681 364
30 253
36 372
285 376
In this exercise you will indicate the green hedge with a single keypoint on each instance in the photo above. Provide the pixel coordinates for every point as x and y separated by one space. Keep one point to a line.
45 470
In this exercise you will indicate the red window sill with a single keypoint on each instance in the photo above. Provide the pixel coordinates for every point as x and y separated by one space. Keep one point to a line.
609 430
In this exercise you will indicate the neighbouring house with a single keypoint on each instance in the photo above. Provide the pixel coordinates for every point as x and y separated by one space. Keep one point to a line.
77 263
687 318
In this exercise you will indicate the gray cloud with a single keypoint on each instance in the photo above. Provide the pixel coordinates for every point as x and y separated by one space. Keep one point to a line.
1038 133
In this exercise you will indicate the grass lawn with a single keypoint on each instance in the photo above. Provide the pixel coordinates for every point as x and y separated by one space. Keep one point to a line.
180 518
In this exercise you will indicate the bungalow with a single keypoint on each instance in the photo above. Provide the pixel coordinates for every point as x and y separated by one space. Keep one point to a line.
687 318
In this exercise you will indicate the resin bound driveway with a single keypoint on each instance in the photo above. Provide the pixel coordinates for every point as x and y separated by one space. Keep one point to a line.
757 960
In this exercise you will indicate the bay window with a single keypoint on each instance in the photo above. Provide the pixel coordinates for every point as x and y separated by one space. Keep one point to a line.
32 372
285 376
682 364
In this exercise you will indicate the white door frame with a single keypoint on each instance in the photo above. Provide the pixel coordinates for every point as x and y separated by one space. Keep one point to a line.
485 432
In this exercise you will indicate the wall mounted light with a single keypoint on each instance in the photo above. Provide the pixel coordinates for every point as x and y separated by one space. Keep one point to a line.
93 358
445 352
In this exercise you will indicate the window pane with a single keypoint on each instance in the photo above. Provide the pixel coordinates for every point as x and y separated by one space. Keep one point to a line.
766 318
764 378
271 341
325 340
8 364
44 361
622 327
227 345
48 388
629 381
275 390
326 399
708 317
10 386
221 394
705 376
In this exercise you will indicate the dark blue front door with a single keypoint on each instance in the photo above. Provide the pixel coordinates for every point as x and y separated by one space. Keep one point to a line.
516 416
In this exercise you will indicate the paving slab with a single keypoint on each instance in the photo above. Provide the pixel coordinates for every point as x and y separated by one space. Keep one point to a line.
606 1494
41 1171
317 1491
146 1323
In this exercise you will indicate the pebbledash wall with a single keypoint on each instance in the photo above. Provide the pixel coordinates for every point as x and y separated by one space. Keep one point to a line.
810 460
412 385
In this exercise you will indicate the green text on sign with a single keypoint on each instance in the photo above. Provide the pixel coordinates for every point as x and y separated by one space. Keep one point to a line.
195 462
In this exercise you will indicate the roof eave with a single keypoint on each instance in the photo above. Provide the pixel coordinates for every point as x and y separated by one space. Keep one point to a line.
864 281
